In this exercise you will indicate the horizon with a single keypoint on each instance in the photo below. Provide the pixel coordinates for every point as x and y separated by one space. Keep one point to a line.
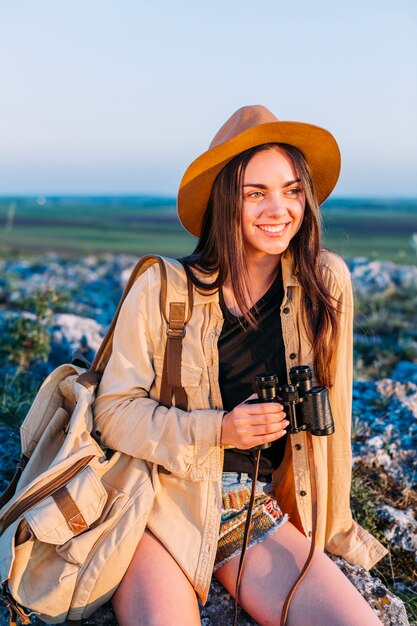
173 198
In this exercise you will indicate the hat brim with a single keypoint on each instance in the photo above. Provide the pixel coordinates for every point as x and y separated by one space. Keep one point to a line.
317 144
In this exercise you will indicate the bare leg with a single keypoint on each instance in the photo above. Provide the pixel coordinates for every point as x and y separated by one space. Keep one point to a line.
155 591
271 567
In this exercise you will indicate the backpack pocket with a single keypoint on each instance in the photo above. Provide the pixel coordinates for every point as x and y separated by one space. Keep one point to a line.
70 511
40 577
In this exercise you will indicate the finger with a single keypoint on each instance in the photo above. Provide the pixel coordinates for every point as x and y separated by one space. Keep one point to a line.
264 418
264 407
252 397
257 440
260 439
269 429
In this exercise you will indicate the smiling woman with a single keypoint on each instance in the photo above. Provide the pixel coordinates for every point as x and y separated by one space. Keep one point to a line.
266 298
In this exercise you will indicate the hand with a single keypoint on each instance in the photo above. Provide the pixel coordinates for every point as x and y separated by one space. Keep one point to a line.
250 425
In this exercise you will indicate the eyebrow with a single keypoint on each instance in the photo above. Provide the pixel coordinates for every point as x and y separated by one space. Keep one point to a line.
261 186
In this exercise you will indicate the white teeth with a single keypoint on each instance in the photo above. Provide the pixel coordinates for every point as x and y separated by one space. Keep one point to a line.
272 229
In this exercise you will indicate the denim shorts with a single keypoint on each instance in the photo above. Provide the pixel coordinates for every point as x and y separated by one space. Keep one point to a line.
267 516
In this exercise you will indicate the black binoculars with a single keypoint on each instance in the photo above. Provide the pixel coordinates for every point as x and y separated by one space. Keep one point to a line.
307 407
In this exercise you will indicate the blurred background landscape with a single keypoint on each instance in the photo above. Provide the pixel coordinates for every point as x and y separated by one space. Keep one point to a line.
63 264
373 228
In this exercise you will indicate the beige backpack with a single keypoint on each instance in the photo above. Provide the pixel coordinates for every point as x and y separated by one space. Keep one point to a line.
78 511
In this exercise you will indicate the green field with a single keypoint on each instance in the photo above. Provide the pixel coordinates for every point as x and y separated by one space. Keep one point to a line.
75 225
384 235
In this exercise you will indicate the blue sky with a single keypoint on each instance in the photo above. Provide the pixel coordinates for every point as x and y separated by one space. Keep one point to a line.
109 97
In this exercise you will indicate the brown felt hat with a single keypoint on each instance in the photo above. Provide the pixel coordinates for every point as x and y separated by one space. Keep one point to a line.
253 126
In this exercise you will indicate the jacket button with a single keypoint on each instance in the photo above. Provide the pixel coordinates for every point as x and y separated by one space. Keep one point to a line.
309 533
293 355
298 446
286 310
303 493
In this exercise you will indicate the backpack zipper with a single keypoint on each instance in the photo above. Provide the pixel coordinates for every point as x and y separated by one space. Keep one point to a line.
43 492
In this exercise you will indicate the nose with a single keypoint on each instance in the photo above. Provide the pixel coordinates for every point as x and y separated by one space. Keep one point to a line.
275 205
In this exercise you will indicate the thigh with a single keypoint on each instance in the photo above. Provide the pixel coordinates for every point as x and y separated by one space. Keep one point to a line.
155 591
325 596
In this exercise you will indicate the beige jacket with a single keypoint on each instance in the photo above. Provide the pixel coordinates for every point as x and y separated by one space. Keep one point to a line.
182 449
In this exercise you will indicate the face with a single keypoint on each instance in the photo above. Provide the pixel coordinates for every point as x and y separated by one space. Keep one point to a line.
273 204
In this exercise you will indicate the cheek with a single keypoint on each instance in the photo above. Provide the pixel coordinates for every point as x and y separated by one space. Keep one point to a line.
246 229
248 217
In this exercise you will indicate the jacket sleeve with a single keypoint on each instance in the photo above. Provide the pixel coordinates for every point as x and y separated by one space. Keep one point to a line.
126 411
343 536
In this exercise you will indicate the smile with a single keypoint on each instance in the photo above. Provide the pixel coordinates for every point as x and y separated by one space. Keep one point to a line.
272 228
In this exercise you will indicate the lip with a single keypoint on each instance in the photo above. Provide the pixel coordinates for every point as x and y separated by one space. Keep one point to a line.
269 229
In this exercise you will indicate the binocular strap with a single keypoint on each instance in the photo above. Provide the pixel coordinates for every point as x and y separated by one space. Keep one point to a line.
248 522
313 484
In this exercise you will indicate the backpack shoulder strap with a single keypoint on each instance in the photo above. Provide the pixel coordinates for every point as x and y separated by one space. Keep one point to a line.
174 283
172 391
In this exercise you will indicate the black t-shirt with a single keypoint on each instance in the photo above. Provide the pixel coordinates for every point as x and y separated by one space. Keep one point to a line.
244 353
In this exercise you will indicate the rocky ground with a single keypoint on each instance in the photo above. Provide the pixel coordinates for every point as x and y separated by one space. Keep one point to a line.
384 408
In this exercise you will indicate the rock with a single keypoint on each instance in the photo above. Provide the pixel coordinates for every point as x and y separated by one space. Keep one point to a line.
405 371
406 393
389 608
92 285
386 418
376 279
372 277
219 608
75 331
385 412
402 528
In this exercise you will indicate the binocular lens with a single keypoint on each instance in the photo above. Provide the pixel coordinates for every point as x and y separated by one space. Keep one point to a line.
300 373
267 380
266 385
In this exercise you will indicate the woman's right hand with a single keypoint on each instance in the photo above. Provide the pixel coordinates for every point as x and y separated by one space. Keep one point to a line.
250 425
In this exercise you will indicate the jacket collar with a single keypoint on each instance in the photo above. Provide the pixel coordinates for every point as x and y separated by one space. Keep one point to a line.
288 277
289 280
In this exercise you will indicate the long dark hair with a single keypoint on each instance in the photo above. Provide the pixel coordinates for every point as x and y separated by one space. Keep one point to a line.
220 251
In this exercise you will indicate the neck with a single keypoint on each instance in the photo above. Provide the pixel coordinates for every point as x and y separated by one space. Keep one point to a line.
261 273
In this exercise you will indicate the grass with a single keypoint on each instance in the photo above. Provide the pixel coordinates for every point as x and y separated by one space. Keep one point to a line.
371 235
137 240
398 571
388 323
374 229
17 392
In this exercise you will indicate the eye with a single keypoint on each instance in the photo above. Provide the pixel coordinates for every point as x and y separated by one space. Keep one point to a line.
255 194
294 191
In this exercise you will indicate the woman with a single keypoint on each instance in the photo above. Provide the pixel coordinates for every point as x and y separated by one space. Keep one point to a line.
266 297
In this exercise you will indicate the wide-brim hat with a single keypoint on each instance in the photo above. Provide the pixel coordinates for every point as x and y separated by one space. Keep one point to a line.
248 127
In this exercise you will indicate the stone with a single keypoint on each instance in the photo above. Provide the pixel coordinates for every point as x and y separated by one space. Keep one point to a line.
389 608
377 279
219 608
405 371
385 412
402 529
